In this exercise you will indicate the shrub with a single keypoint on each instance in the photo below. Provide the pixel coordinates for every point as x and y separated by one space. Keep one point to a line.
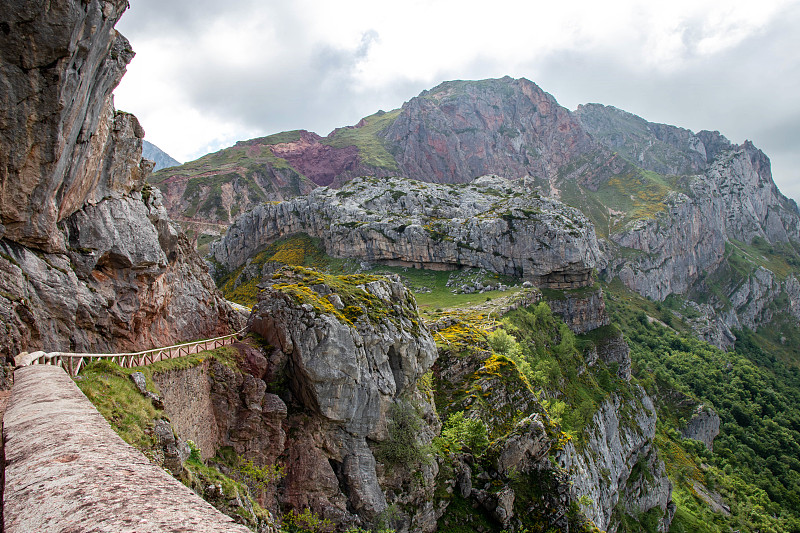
459 432
402 447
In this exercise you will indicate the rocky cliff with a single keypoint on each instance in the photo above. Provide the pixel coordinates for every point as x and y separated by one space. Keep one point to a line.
621 437
452 133
158 156
672 205
735 248
492 223
88 257
340 376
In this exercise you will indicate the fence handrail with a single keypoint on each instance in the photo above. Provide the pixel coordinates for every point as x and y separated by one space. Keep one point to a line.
125 359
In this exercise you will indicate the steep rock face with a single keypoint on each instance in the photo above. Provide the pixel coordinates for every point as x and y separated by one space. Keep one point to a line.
89 261
219 186
620 436
536 473
346 375
452 133
494 224
130 281
460 130
321 163
703 426
735 199
583 311
158 156
63 145
674 248
658 147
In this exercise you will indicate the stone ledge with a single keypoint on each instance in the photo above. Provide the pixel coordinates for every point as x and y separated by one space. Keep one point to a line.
67 470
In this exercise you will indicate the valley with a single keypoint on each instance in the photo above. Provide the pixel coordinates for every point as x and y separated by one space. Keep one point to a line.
480 311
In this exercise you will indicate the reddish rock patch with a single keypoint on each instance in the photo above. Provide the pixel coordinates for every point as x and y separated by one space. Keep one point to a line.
318 162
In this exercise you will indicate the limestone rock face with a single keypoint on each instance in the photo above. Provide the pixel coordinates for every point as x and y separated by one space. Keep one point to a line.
658 147
130 281
89 261
155 154
727 202
345 376
63 145
493 223
703 426
618 440
582 312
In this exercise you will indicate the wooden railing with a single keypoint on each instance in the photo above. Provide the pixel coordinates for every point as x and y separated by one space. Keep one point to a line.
72 363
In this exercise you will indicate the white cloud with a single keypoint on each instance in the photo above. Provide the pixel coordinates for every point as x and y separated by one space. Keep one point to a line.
208 73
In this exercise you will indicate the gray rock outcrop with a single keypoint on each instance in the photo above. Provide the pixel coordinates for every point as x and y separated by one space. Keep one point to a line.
703 426
63 145
583 311
619 438
153 153
687 248
89 260
492 223
348 372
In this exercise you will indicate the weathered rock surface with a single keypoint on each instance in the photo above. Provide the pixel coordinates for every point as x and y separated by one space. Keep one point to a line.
460 130
337 382
728 202
346 376
703 426
452 133
492 223
582 312
620 436
89 261
153 153
658 147
130 281
603 468
63 145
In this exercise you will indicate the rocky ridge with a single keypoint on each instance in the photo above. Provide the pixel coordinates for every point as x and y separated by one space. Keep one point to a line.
89 260
155 154
452 133
636 180
721 213
492 223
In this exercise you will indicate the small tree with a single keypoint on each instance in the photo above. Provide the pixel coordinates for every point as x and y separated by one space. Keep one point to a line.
501 341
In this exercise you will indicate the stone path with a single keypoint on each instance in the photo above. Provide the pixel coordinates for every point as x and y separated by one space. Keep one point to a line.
68 471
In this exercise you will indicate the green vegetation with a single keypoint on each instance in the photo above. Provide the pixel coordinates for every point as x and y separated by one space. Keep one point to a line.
459 432
634 194
402 448
546 352
431 290
297 250
298 283
429 286
756 393
109 387
365 137
132 415
247 166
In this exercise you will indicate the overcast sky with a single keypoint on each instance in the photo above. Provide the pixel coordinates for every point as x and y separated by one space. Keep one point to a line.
208 73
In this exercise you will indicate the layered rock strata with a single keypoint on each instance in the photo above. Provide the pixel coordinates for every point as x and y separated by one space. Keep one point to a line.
349 367
619 437
492 223
89 260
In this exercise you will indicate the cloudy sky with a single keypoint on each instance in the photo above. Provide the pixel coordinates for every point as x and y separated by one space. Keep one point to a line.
208 73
